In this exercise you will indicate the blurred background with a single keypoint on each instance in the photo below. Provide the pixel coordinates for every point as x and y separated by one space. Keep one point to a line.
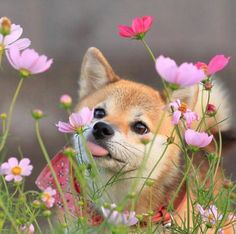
63 30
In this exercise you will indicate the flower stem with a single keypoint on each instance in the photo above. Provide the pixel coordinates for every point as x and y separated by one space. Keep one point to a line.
11 219
9 115
47 158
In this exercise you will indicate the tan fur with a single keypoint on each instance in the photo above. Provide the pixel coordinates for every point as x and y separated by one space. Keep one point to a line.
125 102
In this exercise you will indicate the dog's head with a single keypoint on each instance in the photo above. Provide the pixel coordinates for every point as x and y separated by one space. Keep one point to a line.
126 116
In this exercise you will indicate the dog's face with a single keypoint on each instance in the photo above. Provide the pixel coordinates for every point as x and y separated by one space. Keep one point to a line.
126 117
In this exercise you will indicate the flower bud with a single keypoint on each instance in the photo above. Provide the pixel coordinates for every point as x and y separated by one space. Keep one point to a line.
65 101
139 217
211 110
131 195
37 114
150 213
81 203
3 116
228 184
106 205
170 140
150 182
36 203
47 213
5 27
69 152
145 140
208 85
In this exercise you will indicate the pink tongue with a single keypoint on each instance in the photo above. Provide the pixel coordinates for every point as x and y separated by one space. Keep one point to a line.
96 150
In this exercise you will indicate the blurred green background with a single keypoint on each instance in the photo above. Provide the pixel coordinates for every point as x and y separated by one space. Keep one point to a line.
63 30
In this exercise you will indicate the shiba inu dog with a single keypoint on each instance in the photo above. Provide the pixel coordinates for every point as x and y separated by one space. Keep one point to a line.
126 127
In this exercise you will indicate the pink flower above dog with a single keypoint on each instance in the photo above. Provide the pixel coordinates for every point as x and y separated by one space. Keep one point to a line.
185 75
14 170
216 64
115 217
197 139
65 101
77 121
28 62
48 197
138 29
10 34
181 110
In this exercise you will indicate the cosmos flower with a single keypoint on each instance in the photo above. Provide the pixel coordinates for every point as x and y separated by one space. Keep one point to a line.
216 64
10 34
138 29
14 170
28 62
197 139
209 215
77 121
181 110
27 228
48 197
185 75
115 217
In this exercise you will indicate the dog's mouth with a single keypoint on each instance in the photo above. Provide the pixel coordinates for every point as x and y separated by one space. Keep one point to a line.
99 151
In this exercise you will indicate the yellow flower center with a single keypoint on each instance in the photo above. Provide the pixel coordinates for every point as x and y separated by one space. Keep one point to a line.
211 217
46 196
183 107
16 170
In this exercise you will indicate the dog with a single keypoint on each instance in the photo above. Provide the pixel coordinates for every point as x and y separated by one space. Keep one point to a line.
124 128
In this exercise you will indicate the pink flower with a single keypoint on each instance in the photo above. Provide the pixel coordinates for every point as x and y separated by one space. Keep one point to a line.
181 110
77 121
209 215
138 29
198 139
10 34
216 64
28 62
115 217
27 228
48 197
185 75
14 170
66 100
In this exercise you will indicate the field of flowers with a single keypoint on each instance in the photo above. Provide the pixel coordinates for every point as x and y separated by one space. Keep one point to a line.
65 201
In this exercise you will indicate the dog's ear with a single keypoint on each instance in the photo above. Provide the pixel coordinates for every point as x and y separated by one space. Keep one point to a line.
96 72
188 95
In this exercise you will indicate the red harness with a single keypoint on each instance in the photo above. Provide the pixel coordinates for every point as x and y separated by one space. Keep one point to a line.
61 166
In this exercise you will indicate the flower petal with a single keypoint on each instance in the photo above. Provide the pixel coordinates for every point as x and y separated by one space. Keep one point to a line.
167 68
126 31
65 127
13 36
217 63
21 44
13 162
13 56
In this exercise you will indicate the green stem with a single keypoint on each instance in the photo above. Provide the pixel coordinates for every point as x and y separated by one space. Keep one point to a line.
11 219
47 158
9 114
154 60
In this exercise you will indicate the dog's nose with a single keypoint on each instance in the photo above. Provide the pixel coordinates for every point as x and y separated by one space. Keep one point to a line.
102 130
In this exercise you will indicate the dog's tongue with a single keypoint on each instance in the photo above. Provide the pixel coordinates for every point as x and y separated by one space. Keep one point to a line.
97 150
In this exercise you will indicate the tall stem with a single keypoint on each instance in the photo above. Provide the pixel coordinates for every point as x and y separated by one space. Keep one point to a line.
47 158
9 115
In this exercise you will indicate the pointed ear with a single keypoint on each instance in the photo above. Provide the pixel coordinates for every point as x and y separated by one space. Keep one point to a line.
188 95
96 72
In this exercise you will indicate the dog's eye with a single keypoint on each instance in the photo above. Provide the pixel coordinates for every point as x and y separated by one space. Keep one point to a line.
140 128
99 113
